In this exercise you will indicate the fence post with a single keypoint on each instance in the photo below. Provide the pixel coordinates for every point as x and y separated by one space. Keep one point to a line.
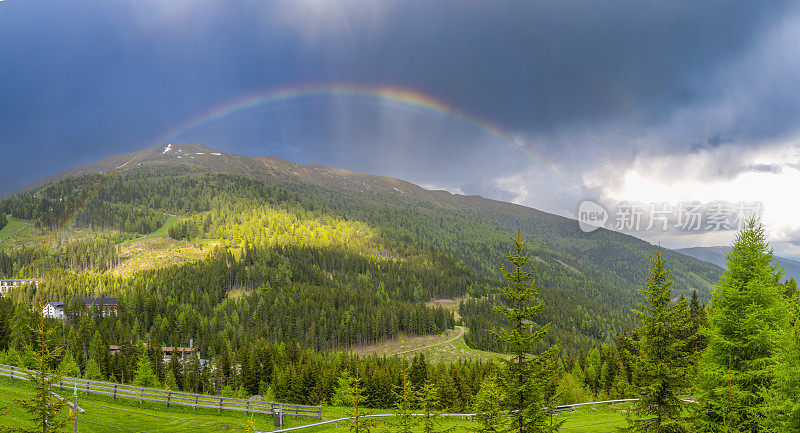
12 372
169 394
115 391
247 410
195 402
76 411
87 387
220 405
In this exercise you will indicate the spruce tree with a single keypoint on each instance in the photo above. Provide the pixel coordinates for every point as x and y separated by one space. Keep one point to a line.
745 317
355 393
489 411
525 376
250 373
783 399
175 367
554 370
405 400
92 371
20 323
664 365
428 397
144 376
43 407
68 366
791 288
170 383
697 313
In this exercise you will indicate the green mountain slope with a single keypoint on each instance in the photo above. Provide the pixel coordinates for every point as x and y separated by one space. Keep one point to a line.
334 231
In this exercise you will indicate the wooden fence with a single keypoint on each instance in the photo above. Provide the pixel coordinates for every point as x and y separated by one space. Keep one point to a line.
467 416
117 390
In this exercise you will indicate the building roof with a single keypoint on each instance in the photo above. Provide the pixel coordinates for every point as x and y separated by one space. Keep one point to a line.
56 304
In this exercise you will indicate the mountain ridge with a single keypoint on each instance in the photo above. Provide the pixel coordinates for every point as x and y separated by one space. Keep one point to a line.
197 155
191 158
716 255
590 281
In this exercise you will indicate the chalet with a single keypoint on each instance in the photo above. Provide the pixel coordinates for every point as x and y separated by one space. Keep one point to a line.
6 285
54 310
106 306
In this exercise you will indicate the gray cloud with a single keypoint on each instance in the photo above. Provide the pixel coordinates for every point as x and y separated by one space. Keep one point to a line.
678 89
764 168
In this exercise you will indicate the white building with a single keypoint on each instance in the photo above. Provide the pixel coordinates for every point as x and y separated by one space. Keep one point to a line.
7 285
105 306
54 310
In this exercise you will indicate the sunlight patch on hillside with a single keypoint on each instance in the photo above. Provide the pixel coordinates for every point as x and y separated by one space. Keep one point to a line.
268 226
157 252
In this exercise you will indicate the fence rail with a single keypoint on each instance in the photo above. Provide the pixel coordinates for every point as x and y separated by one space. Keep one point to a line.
118 390
467 416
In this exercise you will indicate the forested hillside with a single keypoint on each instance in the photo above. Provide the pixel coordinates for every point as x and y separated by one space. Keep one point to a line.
330 257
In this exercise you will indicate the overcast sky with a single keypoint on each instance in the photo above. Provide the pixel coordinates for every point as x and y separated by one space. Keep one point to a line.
544 103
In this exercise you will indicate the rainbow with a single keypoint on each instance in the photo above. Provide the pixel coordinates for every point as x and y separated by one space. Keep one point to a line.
53 238
401 98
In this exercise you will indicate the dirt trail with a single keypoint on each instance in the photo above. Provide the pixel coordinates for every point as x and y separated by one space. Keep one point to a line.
461 332
16 232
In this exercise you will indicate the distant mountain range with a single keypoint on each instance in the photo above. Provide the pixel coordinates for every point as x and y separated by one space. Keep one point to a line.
716 255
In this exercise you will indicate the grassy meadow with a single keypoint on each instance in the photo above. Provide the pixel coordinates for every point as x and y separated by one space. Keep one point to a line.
106 415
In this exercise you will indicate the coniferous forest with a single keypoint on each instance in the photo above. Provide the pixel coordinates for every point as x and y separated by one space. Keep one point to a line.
393 216
295 276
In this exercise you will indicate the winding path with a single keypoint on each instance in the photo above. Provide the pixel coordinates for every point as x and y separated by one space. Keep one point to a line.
10 235
460 334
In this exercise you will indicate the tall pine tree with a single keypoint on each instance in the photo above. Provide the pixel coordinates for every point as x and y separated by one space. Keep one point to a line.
405 400
745 317
42 406
490 415
783 398
525 376
664 365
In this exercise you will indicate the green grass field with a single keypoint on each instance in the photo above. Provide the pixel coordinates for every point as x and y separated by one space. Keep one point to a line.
102 412
596 420
448 346
106 415
163 230
13 227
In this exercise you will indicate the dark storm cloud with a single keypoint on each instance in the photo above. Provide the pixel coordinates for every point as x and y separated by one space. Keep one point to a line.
585 85
710 143
543 65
